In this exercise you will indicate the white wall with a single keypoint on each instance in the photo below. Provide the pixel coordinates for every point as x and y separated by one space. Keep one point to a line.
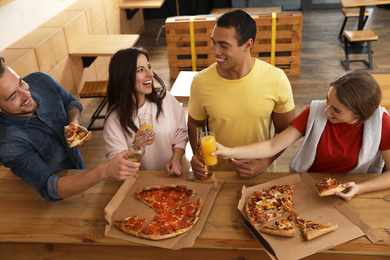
22 16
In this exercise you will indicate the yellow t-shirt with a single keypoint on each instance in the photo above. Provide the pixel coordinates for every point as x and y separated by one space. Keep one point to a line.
239 111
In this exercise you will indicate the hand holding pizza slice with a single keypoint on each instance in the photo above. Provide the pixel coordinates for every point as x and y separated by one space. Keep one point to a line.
76 134
329 186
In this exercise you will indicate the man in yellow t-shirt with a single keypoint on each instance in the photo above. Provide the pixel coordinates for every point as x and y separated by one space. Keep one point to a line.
239 95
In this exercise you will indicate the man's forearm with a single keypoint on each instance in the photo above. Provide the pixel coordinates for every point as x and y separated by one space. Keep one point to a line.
75 184
73 115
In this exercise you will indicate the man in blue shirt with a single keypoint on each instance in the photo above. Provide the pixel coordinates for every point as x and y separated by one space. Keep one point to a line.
33 113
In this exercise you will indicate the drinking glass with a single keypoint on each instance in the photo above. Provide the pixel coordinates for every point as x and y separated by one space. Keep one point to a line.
209 146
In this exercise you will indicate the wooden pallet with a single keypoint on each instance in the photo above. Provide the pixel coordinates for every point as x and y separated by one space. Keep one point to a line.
287 49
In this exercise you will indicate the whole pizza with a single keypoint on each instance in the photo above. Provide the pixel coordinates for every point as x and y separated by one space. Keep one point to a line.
174 216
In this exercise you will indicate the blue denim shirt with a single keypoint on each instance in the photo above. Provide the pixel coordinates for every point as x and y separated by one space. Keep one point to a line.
34 147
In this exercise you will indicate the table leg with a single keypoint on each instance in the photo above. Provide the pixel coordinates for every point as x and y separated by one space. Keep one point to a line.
361 18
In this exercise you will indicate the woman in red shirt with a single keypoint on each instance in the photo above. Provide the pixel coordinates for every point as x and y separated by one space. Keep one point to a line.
347 132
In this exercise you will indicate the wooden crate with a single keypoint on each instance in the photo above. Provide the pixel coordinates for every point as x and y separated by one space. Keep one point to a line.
287 48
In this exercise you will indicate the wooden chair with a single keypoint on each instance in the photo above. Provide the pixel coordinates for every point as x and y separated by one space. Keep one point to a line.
352 12
353 44
95 89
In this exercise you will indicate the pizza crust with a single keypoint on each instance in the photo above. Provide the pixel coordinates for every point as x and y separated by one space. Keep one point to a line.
339 188
279 232
311 234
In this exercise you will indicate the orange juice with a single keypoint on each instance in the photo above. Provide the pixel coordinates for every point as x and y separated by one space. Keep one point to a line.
209 146
144 127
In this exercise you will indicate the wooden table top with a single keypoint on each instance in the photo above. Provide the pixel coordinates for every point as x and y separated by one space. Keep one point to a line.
384 82
354 3
134 4
104 44
26 218
182 87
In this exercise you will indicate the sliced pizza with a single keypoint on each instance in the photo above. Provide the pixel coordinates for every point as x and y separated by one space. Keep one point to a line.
158 228
174 216
329 186
184 217
75 134
269 203
131 225
311 229
164 198
284 227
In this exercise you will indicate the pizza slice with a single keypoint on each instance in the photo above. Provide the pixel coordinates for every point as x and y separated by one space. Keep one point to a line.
284 227
75 134
329 186
158 228
164 198
311 229
131 225
184 217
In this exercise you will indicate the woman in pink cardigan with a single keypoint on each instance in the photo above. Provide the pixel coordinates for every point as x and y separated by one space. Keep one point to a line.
131 92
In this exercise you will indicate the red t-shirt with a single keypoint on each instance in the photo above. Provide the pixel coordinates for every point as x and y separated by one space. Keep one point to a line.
340 143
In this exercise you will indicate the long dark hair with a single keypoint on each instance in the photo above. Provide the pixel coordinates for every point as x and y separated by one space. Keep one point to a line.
121 93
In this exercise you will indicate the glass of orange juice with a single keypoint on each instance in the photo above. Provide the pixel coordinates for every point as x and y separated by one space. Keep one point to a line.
145 122
209 146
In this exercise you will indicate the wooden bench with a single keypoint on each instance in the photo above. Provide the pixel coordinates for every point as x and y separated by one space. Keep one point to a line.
287 49
353 41
352 12
384 82
95 89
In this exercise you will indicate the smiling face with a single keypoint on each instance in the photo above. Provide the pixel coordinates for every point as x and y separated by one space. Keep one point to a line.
337 112
225 48
15 98
144 77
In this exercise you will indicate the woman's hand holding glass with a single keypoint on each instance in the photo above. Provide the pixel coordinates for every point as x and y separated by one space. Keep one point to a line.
222 151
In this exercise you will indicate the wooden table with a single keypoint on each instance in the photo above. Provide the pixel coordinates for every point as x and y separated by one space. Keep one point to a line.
362 5
384 82
135 4
32 228
181 89
102 45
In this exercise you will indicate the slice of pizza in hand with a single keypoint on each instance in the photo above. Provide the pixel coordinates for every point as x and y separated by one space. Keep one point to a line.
75 134
311 229
284 227
329 186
